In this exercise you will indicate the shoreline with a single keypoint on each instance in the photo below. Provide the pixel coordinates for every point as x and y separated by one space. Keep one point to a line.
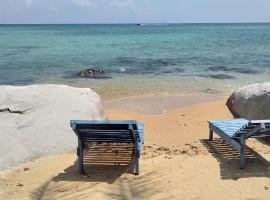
158 105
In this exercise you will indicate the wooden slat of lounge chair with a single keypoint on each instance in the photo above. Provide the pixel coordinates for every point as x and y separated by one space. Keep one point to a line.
107 154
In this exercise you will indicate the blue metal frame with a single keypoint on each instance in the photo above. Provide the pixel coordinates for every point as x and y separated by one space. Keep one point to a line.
236 131
137 137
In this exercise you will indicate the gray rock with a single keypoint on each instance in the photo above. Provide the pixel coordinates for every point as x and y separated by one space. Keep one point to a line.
91 73
251 102
43 128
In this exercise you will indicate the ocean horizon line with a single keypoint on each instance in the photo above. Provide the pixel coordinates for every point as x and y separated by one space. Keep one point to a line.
141 23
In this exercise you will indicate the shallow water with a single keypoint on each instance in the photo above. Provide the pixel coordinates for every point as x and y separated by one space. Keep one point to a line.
138 60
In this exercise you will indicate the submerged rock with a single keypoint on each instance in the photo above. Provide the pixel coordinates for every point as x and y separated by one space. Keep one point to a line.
245 70
221 76
251 102
91 73
241 70
219 68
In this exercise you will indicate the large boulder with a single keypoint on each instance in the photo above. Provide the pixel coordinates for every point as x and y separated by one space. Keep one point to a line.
35 120
251 102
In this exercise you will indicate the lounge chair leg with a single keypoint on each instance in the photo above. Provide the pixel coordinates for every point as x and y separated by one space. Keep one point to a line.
137 170
211 135
81 167
132 163
242 152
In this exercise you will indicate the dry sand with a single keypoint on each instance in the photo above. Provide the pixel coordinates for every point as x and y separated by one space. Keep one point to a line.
177 163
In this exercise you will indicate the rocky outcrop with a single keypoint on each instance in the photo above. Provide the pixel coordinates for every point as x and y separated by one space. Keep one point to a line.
91 73
251 102
39 124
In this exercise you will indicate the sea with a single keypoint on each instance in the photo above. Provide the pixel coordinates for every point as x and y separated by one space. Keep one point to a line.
138 59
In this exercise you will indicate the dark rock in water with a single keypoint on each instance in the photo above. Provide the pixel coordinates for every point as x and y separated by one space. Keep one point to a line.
169 71
219 68
245 70
241 70
221 76
125 60
210 91
27 47
91 73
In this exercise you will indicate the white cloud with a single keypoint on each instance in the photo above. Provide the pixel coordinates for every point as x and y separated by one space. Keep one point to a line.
123 3
84 3
28 3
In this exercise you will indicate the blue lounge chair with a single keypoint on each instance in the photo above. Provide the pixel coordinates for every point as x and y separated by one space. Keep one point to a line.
100 132
236 131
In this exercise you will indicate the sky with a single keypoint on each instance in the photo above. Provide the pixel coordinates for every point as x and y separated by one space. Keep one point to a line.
133 11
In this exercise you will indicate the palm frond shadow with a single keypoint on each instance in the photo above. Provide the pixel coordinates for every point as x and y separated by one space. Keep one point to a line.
68 185
40 193
143 187
94 173
228 158
75 186
52 190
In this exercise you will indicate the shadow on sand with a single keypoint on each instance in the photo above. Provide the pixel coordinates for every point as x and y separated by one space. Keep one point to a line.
100 181
94 173
228 158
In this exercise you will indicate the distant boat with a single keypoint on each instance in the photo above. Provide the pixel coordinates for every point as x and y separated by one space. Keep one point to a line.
152 24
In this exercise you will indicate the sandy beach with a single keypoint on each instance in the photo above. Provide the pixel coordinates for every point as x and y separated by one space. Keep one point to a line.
165 71
177 161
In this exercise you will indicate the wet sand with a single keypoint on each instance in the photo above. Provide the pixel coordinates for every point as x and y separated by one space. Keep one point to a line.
157 105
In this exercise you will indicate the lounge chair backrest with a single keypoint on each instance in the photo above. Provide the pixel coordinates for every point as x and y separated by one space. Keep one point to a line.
100 132
253 127
108 131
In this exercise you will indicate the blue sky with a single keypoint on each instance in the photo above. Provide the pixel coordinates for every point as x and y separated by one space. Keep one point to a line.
133 11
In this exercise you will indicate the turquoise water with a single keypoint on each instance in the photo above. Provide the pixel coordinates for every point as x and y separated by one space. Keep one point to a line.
138 60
